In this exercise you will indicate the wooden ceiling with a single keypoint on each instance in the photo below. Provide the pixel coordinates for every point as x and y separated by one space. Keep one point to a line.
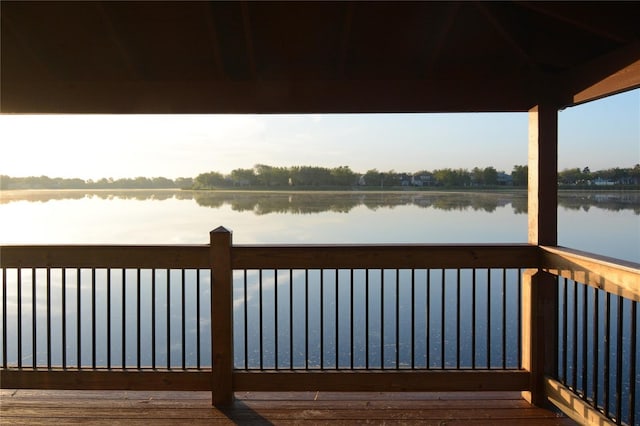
313 57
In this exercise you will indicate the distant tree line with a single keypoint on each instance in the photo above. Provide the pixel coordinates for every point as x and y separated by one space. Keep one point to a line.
45 182
608 177
265 176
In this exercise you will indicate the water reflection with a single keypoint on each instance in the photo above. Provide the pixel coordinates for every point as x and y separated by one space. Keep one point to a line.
299 202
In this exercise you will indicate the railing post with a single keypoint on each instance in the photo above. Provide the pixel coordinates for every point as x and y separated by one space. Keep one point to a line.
221 316
539 331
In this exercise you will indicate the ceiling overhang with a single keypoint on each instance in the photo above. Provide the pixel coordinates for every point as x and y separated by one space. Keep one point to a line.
313 57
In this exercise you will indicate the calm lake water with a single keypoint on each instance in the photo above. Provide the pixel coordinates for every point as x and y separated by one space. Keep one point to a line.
606 223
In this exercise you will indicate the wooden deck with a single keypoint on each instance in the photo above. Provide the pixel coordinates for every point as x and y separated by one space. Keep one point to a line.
163 408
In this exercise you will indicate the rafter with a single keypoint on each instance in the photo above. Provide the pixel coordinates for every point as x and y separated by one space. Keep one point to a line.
248 37
115 38
506 35
441 37
212 34
542 8
26 47
346 34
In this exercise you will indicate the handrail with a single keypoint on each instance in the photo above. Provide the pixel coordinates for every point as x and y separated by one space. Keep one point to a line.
272 256
385 256
612 275
104 256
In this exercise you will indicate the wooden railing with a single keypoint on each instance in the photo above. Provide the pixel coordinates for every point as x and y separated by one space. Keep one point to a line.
596 379
227 318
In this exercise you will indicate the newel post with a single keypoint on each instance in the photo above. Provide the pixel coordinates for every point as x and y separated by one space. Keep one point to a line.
221 316
539 293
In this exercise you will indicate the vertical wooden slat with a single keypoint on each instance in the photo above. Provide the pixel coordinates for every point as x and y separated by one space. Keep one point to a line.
153 319
168 319
183 333
19 285
34 324
474 333
48 290
79 320
93 319
291 318
4 318
64 318
221 316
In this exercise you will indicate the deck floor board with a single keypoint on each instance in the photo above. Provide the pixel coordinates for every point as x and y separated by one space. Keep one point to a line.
281 408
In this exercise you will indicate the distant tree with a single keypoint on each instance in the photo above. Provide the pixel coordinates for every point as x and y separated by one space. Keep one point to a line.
477 176
570 176
184 183
373 178
243 177
343 176
520 175
208 180
451 177
490 176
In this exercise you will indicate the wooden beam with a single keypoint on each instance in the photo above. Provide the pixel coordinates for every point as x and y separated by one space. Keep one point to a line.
582 21
627 78
573 406
292 96
606 75
385 256
543 175
105 379
387 381
612 275
108 256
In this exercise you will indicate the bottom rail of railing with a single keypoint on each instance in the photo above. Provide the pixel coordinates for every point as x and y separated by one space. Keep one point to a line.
268 380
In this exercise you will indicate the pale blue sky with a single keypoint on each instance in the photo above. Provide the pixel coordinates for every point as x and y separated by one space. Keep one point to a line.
601 134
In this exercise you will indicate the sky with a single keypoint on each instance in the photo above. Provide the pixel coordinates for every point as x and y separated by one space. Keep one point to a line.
600 134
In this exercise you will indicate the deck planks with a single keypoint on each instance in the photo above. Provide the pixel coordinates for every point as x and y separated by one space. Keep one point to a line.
166 408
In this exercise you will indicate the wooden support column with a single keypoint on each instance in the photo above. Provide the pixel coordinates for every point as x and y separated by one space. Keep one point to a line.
543 175
540 294
221 317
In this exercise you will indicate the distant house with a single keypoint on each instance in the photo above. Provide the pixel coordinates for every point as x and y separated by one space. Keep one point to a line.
504 179
422 180
602 182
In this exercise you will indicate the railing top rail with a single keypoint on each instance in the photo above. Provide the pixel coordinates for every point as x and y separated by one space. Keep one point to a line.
392 256
104 256
613 275
283 256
